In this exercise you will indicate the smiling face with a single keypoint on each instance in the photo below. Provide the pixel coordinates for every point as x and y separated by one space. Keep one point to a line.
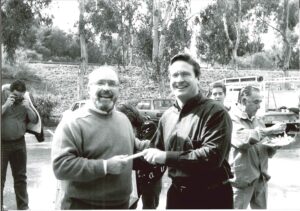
183 82
104 88
218 95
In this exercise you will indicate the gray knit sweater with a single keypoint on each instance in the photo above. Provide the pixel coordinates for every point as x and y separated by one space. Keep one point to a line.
79 146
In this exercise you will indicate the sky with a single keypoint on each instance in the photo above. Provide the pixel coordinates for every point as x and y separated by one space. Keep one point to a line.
65 14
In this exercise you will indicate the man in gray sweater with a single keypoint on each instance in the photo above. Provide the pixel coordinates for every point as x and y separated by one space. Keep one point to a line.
89 149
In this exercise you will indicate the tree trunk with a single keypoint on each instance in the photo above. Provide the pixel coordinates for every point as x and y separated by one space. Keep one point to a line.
162 42
155 49
130 47
286 42
122 36
238 30
83 52
233 45
1 41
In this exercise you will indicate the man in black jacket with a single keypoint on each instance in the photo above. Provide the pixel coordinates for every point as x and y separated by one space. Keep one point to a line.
193 140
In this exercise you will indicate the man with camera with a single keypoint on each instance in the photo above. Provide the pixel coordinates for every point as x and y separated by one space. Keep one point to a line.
17 112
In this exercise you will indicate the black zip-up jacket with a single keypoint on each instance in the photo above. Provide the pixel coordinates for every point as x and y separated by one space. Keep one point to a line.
197 141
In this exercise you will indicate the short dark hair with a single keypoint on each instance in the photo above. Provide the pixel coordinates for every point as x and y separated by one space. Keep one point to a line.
247 91
188 59
18 85
219 85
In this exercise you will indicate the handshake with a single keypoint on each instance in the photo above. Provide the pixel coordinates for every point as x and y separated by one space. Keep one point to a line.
116 164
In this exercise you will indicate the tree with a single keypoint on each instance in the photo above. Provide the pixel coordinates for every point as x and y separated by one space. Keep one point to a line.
83 51
222 37
108 18
170 34
238 20
233 44
284 21
17 18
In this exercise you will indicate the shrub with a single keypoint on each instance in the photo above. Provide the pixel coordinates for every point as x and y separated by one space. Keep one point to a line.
7 72
19 71
259 60
45 104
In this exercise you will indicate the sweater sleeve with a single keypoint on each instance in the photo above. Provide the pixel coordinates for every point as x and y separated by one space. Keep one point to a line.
68 162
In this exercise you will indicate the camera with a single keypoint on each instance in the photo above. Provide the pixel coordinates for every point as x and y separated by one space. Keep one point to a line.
18 99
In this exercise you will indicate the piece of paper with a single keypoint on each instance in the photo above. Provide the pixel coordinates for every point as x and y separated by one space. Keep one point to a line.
130 157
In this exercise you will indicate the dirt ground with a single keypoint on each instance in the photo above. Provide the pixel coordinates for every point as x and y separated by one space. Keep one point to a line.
284 186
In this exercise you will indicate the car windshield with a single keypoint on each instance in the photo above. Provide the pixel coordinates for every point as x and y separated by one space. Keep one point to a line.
162 104
144 105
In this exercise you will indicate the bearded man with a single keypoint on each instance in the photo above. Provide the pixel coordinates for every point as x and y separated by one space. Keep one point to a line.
89 149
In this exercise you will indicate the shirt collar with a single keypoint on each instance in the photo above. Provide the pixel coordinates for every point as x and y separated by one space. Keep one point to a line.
190 104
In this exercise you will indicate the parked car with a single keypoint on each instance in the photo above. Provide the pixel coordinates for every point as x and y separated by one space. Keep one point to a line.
73 107
154 108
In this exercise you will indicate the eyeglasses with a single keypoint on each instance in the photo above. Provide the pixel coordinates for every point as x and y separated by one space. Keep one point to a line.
110 83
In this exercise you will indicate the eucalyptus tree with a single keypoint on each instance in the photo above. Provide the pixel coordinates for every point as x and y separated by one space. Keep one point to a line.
17 18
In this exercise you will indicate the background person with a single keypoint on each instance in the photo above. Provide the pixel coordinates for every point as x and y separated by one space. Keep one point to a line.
17 113
148 190
89 149
248 157
217 92
193 140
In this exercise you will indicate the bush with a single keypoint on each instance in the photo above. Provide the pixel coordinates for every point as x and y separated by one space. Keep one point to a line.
7 72
45 104
260 60
19 71
34 56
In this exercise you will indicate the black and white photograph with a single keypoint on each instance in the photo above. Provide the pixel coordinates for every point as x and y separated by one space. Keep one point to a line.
150 104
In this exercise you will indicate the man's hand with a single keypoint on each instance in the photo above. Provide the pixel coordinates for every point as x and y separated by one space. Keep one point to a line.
9 101
155 156
116 164
278 128
26 103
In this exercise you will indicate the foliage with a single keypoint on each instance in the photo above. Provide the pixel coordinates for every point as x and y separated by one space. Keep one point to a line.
19 71
259 60
178 36
295 60
45 105
17 18
257 17
212 44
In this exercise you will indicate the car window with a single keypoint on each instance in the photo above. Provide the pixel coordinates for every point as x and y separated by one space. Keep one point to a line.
75 106
146 105
162 104
82 104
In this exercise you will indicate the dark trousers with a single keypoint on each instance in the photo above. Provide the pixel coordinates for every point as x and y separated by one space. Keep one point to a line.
76 204
220 197
14 152
149 194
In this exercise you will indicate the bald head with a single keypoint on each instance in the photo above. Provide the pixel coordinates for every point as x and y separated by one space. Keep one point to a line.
103 72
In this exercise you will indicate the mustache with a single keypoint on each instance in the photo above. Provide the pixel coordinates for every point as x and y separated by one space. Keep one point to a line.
105 93
182 83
